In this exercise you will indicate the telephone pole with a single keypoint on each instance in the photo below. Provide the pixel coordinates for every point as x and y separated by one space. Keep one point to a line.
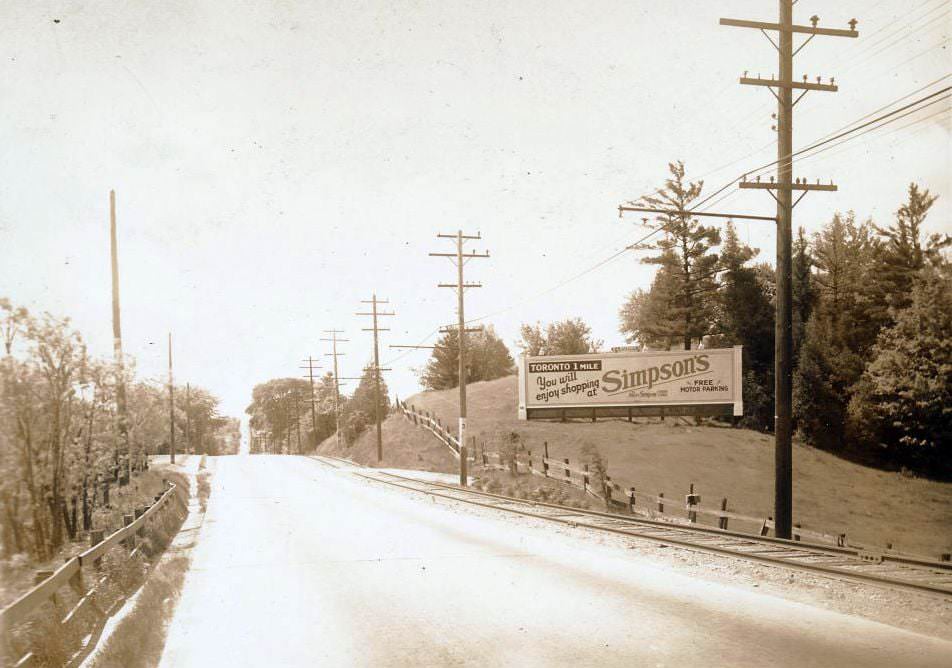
171 407
373 301
188 418
782 88
310 375
460 258
334 341
122 422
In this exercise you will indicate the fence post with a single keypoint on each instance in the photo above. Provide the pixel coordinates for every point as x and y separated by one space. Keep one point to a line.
585 478
105 493
631 500
660 502
764 530
129 542
545 456
722 520
608 492
568 474
529 459
96 536
692 500
139 513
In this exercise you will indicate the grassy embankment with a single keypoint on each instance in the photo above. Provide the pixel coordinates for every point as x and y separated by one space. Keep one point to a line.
54 643
139 638
16 574
831 495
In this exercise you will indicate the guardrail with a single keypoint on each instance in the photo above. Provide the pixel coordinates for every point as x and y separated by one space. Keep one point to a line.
431 423
615 496
71 574
633 501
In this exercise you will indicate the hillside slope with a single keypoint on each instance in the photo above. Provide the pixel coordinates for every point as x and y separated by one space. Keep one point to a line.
830 494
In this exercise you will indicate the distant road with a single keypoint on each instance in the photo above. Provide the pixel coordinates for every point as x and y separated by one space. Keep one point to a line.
300 565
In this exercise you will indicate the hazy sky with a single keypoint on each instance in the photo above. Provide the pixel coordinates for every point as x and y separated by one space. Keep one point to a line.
277 162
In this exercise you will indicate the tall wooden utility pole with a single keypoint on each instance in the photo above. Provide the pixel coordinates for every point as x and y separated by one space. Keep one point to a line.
297 419
460 258
171 407
373 301
310 376
334 341
188 418
782 88
122 420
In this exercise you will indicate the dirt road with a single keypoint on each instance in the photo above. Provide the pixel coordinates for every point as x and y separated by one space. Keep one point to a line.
301 565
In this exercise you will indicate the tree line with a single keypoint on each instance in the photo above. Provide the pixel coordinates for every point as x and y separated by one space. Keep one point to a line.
62 442
872 312
283 421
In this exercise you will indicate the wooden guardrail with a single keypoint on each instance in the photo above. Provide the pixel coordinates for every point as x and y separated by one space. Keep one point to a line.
431 423
71 573
633 501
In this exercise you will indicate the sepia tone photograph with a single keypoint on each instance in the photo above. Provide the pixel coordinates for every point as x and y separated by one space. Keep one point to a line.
475 333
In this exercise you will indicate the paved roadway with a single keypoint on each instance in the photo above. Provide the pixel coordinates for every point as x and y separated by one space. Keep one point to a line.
300 565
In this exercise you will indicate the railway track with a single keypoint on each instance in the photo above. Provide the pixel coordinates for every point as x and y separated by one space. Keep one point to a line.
886 569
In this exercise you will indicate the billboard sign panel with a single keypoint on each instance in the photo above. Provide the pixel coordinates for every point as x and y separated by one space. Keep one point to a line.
671 382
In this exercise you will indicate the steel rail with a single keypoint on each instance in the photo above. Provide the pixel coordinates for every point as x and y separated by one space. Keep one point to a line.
576 517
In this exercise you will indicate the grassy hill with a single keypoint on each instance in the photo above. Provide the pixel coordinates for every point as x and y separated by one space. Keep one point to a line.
830 494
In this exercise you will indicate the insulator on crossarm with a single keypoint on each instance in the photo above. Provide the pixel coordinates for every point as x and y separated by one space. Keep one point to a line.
814 20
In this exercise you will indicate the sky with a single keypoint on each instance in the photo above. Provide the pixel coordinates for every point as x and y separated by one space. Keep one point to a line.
275 163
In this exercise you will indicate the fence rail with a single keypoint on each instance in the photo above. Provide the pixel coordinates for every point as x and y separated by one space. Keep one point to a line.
628 498
71 573
430 423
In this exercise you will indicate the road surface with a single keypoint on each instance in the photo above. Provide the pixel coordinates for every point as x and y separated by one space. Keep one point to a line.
301 565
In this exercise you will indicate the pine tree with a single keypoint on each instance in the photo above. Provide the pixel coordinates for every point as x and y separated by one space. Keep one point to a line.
804 292
566 337
487 359
903 254
906 391
684 253
745 317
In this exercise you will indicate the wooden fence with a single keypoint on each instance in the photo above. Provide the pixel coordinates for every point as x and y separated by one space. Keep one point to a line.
72 574
431 423
615 496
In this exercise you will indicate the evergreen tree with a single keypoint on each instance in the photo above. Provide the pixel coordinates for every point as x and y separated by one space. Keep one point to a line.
566 337
487 359
745 317
905 394
685 254
903 254
650 317
804 292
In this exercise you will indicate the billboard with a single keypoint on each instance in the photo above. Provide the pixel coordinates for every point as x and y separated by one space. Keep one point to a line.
670 382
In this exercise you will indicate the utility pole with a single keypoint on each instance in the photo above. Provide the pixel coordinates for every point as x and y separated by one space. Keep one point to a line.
297 418
782 88
122 420
334 341
460 259
171 407
310 375
188 418
373 301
